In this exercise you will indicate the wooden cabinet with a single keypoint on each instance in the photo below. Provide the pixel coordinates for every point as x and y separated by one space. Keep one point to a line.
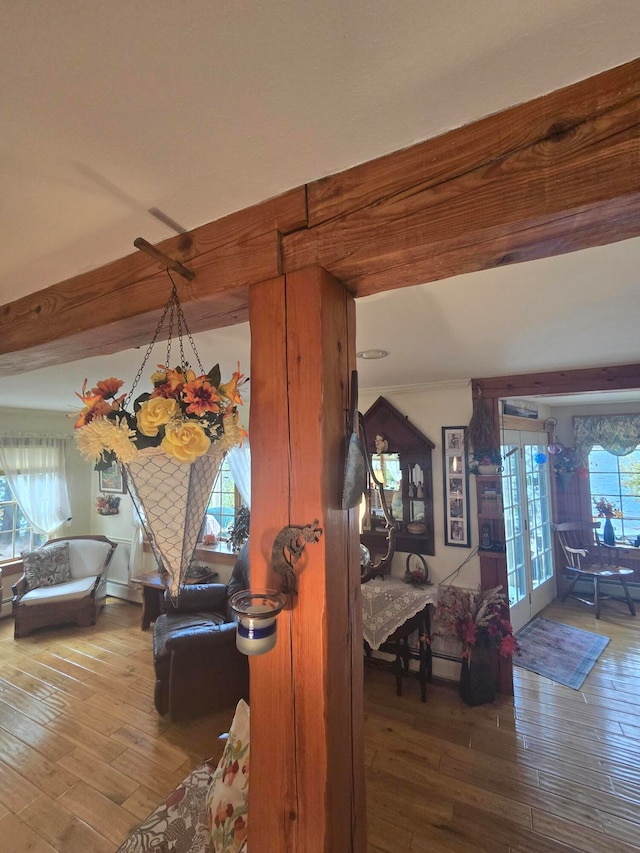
490 514
402 460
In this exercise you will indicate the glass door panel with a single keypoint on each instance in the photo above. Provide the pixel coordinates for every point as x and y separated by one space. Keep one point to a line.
539 517
514 536
527 526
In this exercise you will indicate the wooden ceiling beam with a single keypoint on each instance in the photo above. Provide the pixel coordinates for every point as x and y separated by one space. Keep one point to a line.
554 175
615 378
117 306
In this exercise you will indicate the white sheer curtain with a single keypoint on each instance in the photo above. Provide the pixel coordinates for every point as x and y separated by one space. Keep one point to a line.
239 459
34 466
136 554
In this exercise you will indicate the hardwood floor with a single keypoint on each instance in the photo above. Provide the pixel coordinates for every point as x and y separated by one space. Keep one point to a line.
84 756
553 770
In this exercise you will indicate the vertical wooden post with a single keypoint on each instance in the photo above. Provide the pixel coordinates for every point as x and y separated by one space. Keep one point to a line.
307 759
493 568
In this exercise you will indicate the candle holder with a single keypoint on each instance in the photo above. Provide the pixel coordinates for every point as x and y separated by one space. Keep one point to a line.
256 613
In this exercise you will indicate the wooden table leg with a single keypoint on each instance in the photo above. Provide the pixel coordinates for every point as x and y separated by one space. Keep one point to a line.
422 673
398 668
427 639
632 606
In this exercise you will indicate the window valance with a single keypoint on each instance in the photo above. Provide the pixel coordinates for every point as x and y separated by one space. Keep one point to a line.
618 434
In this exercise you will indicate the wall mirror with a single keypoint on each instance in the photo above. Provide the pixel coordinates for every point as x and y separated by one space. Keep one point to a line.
401 461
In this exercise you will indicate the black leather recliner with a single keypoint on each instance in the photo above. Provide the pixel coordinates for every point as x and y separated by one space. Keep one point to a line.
197 665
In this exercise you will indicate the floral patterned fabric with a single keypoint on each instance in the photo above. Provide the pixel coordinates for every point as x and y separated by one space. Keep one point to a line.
227 803
179 825
47 566
619 434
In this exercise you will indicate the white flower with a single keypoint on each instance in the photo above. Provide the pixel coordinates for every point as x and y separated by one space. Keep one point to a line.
102 434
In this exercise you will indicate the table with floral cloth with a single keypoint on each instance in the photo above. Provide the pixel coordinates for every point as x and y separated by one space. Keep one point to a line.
388 603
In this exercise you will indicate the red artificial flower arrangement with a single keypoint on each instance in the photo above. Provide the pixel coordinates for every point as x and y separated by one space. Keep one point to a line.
477 618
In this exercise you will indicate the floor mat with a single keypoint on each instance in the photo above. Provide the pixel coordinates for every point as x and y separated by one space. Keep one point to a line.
560 652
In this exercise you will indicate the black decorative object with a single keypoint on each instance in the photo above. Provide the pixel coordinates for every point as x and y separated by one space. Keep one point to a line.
416 570
477 677
486 543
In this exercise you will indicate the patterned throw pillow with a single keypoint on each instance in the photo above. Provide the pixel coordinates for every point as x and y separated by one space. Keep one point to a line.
229 791
48 565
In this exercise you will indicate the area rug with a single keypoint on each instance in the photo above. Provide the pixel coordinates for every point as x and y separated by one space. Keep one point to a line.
560 652
179 824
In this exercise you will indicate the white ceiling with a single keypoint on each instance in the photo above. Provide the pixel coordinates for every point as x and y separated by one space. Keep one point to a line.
111 110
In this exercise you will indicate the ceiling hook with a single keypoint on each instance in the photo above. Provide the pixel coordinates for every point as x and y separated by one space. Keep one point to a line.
165 260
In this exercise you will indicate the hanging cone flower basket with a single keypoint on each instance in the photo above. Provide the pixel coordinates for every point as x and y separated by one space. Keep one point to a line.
171 445
171 498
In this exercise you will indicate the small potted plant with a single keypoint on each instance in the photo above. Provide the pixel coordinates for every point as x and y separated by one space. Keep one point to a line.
485 461
239 529
607 510
565 465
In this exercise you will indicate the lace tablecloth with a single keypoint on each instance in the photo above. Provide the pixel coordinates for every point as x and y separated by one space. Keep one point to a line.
387 604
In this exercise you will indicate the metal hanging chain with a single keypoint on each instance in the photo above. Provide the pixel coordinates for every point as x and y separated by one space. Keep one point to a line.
148 352
174 309
182 325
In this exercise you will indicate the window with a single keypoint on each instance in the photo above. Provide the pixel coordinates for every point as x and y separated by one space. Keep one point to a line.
16 534
617 479
224 500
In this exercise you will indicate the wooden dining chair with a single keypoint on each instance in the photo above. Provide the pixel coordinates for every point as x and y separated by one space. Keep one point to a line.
587 557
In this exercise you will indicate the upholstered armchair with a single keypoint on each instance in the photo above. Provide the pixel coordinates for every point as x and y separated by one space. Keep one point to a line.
197 665
63 581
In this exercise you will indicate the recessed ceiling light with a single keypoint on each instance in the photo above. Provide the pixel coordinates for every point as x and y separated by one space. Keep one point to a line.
372 353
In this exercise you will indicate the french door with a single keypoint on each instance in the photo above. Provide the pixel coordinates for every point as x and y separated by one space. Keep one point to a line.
527 517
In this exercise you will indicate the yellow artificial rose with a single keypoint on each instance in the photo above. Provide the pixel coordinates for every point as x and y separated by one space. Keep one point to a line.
185 441
155 413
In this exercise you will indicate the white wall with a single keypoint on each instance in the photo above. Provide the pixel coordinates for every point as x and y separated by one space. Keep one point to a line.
429 408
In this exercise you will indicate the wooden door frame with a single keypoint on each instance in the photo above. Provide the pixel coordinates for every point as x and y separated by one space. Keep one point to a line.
493 569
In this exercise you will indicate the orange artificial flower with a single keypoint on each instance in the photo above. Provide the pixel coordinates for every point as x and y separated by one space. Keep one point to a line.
230 389
95 406
107 387
201 396
169 382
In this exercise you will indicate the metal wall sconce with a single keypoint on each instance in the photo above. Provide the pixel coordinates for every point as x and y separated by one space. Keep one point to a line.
257 610
554 446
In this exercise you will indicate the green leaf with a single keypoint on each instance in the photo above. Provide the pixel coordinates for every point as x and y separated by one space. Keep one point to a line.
106 461
214 376
140 400
142 441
